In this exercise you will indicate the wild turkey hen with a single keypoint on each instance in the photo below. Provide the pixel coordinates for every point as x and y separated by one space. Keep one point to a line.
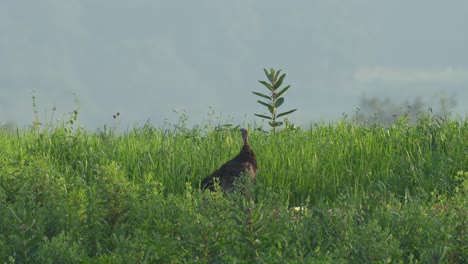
245 163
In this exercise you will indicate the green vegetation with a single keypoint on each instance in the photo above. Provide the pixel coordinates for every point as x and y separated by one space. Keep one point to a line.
275 98
366 194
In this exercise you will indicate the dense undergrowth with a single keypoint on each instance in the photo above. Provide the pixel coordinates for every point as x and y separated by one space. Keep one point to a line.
367 194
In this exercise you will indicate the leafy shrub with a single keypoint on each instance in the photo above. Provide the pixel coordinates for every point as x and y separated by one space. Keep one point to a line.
60 249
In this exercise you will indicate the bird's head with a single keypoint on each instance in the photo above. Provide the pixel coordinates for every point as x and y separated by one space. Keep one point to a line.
245 135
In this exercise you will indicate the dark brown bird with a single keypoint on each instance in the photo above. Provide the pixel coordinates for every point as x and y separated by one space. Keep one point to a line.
245 163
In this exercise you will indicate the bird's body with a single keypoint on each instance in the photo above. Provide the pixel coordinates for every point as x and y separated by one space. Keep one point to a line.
245 163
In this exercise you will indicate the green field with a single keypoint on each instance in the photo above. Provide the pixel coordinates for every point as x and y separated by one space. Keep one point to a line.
369 194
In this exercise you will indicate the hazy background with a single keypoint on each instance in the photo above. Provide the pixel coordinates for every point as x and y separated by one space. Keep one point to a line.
146 59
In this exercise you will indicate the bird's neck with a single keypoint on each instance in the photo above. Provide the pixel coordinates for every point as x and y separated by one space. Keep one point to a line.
246 150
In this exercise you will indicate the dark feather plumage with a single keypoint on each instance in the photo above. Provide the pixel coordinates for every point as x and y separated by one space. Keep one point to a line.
245 163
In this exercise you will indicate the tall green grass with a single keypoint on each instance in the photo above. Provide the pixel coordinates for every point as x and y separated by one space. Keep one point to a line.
74 195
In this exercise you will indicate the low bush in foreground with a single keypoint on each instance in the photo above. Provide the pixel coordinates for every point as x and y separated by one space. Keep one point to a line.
333 194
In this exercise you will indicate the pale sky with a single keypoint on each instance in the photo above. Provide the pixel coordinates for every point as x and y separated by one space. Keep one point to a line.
147 58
